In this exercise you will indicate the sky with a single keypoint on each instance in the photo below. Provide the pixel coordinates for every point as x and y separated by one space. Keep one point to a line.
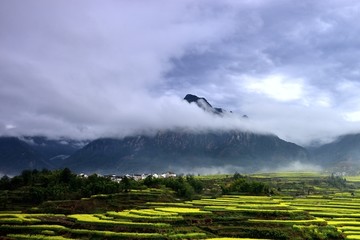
85 69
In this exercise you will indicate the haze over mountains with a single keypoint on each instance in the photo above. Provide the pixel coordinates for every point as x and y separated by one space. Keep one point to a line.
180 150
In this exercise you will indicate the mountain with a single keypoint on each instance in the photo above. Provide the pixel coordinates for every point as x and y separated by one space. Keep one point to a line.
20 153
203 104
17 155
54 151
341 154
179 151
185 151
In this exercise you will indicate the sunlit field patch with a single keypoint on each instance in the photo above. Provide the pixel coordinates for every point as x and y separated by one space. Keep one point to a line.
344 223
181 210
37 237
353 237
334 214
290 222
39 227
187 236
353 178
105 234
237 201
169 204
91 219
328 209
146 214
236 239
16 218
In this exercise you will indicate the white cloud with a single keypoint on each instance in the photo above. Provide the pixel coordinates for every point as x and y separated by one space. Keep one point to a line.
9 126
104 68
352 116
277 87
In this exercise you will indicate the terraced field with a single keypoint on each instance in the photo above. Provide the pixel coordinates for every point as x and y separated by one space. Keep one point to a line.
326 214
227 216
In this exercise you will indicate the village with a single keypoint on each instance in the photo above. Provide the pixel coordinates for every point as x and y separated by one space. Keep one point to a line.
136 177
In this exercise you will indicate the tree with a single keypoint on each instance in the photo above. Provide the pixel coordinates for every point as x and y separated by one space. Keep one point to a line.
125 182
26 176
196 184
237 176
245 185
4 183
65 175
152 182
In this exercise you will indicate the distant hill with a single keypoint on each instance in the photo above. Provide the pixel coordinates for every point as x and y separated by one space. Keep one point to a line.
54 151
341 154
175 151
17 155
186 151
179 151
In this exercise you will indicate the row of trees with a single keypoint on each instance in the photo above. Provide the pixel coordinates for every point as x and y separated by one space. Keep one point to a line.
33 186
38 186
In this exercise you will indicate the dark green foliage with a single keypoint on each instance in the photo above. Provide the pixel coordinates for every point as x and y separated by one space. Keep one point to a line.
185 187
319 232
4 183
152 182
66 175
243 184
336 181
100 185
180 186
35 186
238 175
195 183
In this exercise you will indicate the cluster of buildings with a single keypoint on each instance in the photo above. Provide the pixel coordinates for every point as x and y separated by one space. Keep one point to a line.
136 177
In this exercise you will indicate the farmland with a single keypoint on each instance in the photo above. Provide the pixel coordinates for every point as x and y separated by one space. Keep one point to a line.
290 206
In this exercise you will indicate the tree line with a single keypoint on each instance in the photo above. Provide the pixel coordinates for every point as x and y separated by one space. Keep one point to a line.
37 186
34 186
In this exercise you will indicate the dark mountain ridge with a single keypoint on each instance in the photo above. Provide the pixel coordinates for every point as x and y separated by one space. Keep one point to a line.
54 150
36 152
174 150
169 151
16 155
341 154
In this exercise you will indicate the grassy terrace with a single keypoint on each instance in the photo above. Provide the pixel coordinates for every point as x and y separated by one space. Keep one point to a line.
324 214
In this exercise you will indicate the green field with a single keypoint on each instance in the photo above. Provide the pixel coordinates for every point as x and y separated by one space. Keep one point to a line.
301 206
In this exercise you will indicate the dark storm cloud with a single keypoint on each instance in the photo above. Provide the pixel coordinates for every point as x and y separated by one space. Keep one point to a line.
86 69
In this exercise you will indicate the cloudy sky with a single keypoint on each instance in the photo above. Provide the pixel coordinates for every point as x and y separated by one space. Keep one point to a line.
87 68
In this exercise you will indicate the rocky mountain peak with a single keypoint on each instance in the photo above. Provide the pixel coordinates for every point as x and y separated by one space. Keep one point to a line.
203 104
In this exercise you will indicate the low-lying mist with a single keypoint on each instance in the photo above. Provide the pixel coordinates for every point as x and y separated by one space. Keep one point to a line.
211 170
148 115
295 166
